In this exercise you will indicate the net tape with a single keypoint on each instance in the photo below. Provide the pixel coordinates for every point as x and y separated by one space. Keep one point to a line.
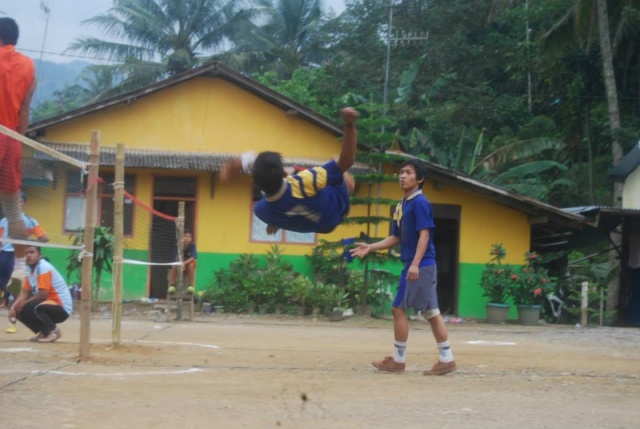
42 148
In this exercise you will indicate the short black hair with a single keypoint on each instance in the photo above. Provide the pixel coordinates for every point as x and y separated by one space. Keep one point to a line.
419 167
9 31
268 172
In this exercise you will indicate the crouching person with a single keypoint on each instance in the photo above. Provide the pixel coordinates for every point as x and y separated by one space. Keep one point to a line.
44 300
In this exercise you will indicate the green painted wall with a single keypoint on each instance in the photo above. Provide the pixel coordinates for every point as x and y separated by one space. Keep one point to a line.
471 303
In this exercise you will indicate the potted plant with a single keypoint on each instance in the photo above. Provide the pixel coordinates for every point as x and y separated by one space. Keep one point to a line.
495 283
529 287
299 290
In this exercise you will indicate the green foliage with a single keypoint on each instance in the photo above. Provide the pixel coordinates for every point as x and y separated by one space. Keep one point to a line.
531 284
328 264
102 256
496 276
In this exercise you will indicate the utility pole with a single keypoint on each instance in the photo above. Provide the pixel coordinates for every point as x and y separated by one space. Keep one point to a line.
401 38
47 11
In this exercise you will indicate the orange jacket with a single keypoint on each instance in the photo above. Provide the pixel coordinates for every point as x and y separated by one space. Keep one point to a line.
16 76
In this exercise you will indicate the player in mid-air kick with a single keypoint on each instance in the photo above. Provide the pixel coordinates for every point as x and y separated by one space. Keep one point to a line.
313 200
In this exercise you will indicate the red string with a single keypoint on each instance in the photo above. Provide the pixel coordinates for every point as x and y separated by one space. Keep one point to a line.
149 209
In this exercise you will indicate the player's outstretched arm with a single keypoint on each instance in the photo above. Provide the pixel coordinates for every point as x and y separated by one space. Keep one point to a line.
349 145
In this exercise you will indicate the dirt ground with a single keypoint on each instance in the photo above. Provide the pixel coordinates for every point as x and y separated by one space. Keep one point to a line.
228 371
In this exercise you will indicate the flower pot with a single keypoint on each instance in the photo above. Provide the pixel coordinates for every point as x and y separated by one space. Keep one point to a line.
336 315
528 314
497 313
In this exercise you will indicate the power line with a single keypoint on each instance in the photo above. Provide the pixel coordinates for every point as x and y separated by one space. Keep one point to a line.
35 51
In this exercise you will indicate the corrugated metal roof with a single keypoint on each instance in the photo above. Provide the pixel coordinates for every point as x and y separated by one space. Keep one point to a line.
629 163
170 160
585 210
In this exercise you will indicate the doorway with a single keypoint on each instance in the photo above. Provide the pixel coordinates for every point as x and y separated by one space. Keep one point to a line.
168 191
446 240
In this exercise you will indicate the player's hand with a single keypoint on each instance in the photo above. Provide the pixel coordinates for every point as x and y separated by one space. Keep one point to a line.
413 273
349 115
271 230
230 169
361 251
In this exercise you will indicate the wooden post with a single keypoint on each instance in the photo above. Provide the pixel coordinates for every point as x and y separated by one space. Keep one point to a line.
118 237
601 305
87 258
180 276
584 313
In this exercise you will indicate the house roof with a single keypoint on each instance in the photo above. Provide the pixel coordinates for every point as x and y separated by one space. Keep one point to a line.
163 159
606 218
538 211
627 165
213 69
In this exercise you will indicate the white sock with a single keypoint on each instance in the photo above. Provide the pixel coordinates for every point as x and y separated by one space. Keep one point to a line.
399 351
446 355
20 264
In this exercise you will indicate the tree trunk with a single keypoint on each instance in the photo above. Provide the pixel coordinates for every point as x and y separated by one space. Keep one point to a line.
616 150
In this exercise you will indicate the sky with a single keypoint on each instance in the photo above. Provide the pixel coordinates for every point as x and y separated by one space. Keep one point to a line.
65 24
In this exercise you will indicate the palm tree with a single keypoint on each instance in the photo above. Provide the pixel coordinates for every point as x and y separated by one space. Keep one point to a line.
153 39
284 38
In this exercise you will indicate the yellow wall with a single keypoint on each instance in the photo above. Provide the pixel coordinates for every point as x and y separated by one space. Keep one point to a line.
202 115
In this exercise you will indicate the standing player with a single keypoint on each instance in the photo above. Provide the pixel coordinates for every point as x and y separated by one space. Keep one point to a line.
17 85
413 228
45 299
313 200
7 257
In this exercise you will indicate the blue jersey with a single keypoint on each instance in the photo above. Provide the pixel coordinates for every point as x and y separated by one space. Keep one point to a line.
412 215
314 200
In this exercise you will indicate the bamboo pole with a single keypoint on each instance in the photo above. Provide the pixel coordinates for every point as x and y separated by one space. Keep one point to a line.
87 256
118 237
180 276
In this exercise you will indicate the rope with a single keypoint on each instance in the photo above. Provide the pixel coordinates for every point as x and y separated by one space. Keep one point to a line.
149 209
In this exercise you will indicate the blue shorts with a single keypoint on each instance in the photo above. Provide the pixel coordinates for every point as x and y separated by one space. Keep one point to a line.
7 260
420 294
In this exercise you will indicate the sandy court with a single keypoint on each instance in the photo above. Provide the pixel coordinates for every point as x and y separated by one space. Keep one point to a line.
248 372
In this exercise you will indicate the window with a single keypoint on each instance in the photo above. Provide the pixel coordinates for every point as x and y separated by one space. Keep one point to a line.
75 209
259 230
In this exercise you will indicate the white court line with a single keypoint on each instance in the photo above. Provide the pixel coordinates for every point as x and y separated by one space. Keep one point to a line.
165 343
491 343
106 374
17 350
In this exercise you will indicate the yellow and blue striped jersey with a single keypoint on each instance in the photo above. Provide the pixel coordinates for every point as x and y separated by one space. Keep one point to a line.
314 200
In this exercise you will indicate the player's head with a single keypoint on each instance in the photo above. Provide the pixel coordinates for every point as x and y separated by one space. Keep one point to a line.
268 172
8 31
188 236
419 168
32 254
